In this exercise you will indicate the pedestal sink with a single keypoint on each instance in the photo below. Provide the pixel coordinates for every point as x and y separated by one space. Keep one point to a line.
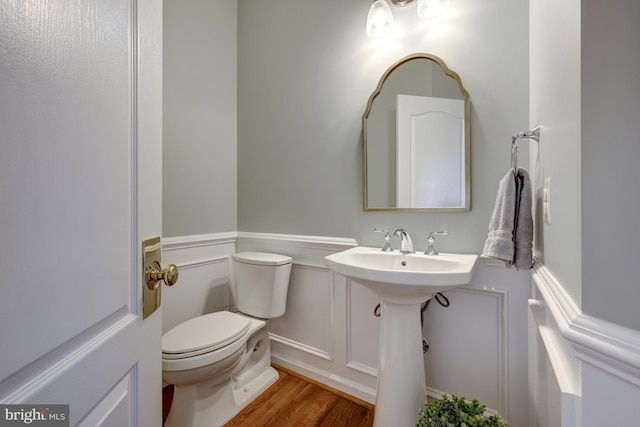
402 283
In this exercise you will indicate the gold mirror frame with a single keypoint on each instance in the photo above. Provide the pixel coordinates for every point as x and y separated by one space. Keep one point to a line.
467 137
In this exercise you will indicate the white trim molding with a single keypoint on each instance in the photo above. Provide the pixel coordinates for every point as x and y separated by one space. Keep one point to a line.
302 346
592 359
305 250
315 242
344 384
198 250
552 311
563 311
194 241
561 305
608 346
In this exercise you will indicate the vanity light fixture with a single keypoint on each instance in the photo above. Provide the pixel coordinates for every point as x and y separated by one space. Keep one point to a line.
431 8
380 18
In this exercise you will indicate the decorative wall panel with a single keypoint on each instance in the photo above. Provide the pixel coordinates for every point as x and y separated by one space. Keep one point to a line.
467 346
308 322
363 329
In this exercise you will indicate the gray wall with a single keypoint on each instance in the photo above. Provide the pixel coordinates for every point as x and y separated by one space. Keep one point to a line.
610 154
589 147
199 123
302 90
305 72
555 104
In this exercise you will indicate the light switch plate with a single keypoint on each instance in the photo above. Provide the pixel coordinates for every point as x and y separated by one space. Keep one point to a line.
546 201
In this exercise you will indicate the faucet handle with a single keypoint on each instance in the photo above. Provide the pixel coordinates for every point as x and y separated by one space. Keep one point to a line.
387 239
438 233
431 250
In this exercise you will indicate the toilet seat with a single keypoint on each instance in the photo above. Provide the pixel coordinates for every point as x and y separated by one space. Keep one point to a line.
213 357
203 334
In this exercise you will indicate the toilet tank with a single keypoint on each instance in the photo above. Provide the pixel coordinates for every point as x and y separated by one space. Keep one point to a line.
261 283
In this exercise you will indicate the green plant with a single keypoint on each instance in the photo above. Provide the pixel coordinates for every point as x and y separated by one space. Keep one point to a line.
457 412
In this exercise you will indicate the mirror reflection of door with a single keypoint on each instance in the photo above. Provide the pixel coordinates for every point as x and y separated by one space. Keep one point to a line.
429 169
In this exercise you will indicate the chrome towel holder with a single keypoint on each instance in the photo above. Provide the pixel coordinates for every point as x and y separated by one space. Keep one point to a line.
532 134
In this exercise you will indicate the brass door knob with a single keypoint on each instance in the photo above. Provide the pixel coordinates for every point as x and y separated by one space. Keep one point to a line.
155 273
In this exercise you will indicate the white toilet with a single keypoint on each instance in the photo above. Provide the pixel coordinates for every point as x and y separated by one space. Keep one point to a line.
220 362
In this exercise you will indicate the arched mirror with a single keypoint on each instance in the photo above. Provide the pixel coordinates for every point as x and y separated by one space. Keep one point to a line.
416 139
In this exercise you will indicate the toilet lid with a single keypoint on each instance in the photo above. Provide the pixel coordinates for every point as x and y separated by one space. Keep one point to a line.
203 334
262 258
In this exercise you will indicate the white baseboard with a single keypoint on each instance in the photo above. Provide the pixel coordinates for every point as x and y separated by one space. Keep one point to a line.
330 379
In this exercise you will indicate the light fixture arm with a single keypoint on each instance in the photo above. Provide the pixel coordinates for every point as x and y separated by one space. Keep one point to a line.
401 2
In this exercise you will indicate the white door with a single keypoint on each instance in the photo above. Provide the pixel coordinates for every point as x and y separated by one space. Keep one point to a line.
80 188
430 152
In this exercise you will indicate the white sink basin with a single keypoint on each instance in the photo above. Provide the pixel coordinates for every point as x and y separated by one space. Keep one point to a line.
402 283
394 275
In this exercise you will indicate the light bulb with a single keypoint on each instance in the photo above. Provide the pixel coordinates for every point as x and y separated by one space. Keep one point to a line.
379 19
431 8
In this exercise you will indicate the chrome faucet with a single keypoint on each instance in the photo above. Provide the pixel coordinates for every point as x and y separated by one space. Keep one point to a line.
431 240
387 239
406 245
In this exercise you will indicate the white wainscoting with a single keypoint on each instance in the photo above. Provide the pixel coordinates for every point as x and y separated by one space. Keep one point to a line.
307 324
362 329
311 337
468 356
329 333
486 342
582 371
203 263
585 372
554 371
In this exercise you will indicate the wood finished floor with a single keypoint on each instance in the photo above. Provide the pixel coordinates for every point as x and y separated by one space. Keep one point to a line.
295 401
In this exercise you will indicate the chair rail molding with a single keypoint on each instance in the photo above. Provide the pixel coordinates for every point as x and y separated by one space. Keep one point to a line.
608 346
197 240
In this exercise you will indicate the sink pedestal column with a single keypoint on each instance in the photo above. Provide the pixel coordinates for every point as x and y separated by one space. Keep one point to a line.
401 389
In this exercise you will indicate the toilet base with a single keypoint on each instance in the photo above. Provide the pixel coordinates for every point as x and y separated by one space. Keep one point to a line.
212 403
217 408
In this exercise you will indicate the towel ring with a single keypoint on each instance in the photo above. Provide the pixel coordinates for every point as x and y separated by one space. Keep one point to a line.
532 134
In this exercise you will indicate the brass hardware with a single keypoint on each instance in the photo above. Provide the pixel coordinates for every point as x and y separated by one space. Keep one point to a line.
152 274
155 273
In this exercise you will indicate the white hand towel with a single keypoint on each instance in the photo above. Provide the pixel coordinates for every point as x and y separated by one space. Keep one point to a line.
511 225
499 242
